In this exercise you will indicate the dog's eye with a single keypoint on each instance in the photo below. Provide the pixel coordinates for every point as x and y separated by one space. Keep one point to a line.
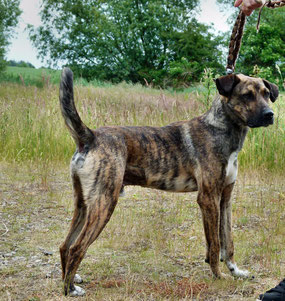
248 96
266 94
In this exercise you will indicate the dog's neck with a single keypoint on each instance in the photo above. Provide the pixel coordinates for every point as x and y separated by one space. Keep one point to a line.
218 117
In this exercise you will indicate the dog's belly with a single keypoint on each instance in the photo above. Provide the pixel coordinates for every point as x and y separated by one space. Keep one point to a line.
181 183
139 176
185 184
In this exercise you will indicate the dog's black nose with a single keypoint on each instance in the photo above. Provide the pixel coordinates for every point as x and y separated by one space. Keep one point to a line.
268 116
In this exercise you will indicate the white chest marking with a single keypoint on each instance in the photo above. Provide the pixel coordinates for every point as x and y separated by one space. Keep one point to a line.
232 169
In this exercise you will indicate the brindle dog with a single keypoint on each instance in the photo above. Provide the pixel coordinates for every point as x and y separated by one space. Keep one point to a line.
196 155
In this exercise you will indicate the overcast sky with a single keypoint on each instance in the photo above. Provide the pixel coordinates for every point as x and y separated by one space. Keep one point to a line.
22 49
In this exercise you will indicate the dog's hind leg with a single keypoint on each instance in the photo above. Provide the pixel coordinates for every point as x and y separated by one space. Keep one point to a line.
100 201
227 245
77 223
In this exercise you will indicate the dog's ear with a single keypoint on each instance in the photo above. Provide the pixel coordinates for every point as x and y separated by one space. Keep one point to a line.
273 89
225 84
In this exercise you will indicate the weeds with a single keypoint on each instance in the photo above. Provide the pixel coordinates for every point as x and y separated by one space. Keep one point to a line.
209 88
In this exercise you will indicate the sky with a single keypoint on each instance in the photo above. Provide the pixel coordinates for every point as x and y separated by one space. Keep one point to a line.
21 48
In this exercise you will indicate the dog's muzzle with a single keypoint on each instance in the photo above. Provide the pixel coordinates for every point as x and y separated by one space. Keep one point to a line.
265 119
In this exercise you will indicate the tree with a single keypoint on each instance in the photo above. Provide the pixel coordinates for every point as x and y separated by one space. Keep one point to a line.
194 50
113 40
262 54
9 13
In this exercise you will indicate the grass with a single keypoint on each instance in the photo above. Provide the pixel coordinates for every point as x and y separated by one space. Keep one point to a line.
157 251
152 249
39 77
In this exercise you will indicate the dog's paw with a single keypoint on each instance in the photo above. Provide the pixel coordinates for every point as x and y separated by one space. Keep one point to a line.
78 291
77 279
236 272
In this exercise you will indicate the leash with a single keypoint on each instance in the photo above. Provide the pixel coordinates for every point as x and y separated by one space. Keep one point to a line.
237 33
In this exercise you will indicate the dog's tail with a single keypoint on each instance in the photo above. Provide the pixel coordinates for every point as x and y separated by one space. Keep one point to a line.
82 135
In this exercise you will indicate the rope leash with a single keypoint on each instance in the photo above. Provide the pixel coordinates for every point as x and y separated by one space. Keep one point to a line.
237 33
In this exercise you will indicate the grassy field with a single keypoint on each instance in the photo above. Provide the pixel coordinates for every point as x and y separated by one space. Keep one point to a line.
158 251
30 76
38 77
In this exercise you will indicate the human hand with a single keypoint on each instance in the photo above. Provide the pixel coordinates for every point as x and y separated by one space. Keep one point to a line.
248 6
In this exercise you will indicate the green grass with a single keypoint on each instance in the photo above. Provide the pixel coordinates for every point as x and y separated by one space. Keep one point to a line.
40 78
32 128
30 76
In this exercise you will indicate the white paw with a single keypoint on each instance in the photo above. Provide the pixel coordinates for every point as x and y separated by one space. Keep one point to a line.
78 291
236 272
77 279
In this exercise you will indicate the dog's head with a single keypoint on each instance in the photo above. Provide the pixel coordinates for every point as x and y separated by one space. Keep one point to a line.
248 98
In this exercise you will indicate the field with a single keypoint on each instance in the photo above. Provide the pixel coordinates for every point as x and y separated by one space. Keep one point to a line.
153 248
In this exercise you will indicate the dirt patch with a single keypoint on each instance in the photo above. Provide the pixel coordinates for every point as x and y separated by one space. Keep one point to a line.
180 289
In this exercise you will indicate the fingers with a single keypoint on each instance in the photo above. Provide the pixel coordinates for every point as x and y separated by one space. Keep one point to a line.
248 6
238 3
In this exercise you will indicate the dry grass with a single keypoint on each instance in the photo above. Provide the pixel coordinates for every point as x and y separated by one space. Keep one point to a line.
32 128
152 249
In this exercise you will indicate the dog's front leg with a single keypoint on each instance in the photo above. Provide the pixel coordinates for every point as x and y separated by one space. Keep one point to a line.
227 245
209 205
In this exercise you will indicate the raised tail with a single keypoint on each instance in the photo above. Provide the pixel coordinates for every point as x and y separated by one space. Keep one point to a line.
81 134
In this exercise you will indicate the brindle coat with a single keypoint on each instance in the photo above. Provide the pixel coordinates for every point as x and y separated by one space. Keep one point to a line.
200 154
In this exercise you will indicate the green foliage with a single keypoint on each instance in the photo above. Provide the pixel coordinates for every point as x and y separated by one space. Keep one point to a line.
195 50
20 64
138 41
9 13
263 53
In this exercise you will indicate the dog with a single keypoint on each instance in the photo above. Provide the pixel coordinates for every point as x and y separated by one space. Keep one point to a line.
196 155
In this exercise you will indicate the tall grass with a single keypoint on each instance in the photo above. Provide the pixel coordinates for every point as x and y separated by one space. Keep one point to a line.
32 128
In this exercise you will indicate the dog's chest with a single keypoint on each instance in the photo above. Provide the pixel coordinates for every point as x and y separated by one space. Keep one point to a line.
231 169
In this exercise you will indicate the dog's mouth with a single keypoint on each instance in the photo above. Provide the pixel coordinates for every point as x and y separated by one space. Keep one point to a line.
260 122
266 118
